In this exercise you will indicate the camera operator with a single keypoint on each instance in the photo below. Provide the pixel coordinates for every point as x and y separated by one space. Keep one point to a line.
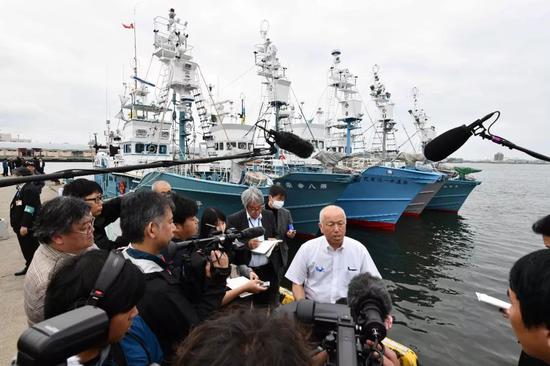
147 221
213 223
70 288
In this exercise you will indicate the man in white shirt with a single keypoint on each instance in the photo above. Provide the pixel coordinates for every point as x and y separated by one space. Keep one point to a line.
324 266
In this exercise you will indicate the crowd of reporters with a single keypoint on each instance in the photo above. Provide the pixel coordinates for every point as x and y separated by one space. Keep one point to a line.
165 306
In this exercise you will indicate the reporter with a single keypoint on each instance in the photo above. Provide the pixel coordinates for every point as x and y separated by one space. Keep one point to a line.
529 295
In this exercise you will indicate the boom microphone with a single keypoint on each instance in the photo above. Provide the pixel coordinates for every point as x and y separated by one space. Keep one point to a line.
292 143
448 142
369 303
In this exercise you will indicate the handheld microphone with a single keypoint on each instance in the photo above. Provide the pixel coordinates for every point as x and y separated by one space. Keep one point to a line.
448 142
369 303
292 143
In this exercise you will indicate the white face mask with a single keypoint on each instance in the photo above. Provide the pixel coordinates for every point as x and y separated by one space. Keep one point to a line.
277 204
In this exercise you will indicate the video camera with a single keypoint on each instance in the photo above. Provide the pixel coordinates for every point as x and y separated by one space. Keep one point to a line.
344 330
222 241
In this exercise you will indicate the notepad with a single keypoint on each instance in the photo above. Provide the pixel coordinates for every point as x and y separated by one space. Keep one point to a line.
235 282
492 301
265 247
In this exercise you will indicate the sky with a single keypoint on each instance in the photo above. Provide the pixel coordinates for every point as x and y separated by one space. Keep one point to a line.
62 63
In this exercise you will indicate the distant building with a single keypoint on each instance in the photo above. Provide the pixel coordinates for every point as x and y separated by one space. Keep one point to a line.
499 156
47 151
7 137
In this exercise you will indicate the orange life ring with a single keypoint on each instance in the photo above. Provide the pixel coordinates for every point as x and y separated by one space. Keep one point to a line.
121 187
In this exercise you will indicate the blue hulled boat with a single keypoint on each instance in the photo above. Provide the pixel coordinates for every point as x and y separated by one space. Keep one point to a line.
382 195
452 195
307 193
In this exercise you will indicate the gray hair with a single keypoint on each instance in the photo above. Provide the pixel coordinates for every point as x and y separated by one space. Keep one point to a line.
138 209
329 207
252 195
57 217
158 184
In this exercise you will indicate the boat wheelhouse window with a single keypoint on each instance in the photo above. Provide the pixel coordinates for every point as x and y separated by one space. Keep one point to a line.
250 146
231 145
321 145
220 145
152 148
163 149
242 145
127 148
139 148
165 134
140 132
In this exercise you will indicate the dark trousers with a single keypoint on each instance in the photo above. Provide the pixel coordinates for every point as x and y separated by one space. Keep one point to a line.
28 244
271 295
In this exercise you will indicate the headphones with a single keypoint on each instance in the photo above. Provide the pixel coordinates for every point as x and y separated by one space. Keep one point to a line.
109 272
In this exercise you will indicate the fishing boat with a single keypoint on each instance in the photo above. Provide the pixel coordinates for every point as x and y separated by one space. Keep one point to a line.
385 188
450 194
214 133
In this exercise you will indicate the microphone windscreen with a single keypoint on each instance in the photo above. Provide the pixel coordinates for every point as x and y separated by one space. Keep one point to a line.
252 232
367 287
447 143
292 143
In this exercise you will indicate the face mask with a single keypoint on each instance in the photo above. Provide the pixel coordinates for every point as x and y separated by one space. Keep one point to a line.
278 204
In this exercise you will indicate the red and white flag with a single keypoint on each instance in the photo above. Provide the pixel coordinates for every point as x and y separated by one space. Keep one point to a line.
128 26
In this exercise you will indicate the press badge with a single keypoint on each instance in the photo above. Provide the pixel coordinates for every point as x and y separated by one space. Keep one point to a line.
18 202
29 209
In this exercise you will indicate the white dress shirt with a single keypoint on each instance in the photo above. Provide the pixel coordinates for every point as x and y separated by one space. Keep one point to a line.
325 272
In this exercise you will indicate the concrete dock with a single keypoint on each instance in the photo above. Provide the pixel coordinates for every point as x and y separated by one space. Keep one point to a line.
14 321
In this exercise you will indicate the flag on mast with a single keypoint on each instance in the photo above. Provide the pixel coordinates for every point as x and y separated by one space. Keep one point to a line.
128 26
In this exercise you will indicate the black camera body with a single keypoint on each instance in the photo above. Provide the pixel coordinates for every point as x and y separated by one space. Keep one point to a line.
341 336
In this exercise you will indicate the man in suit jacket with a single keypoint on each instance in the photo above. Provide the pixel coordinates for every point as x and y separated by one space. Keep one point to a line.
283 220
267 268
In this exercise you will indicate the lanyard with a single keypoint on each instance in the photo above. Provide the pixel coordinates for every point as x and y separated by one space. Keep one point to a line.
258 220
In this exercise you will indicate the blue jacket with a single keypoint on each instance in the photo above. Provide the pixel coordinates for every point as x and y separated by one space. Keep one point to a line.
140 345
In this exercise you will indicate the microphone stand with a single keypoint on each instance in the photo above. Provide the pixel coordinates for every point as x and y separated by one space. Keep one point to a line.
502 141
71 173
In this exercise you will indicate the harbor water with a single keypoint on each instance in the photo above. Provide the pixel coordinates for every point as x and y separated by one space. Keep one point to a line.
434 264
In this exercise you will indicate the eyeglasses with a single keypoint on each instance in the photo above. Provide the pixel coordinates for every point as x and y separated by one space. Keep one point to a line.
254 208
89 227
97 199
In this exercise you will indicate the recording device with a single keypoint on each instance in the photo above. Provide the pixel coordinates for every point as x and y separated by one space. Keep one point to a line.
288 141
52 341
344 330
265 284
222 242
448 142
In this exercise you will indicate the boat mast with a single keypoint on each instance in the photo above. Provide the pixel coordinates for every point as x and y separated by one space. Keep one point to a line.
349 113
427 133
384 138
277 86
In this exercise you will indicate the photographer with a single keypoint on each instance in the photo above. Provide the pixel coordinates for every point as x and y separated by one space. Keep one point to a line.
147 221
70 288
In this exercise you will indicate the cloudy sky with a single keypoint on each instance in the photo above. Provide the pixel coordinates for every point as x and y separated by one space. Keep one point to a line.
62 63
